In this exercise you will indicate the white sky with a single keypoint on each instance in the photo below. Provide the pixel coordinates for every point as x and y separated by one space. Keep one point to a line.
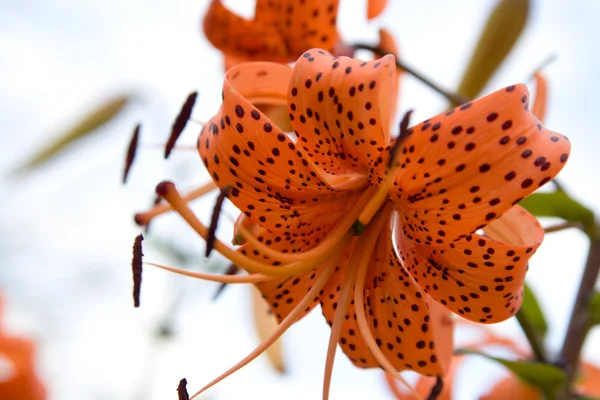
66 231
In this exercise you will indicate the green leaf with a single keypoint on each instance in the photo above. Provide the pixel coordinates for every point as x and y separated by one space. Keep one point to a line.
594 309
85 126
546 377
559 204
501 32
533 312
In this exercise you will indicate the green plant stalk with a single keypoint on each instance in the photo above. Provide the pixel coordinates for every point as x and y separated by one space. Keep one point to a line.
579 323
534 339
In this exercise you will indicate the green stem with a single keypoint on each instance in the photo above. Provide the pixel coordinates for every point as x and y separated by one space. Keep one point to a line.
533 337
579 323
455 98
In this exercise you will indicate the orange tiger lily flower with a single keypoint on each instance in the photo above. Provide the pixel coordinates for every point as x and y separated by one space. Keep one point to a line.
386 241
280 31
22 381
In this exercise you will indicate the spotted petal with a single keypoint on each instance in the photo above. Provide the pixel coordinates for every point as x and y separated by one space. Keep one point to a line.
242 38
413 331
272 182
310 23
479 277
340 109
461 170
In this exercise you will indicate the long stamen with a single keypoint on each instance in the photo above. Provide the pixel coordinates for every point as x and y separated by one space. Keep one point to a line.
231 271
145 217
368 247
322 248
251 278
168 191
336 327
282 327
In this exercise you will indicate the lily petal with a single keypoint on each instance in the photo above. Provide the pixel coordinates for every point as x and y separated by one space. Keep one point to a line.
271 181
481 278
340 109
541 96
465 168
412 330
242 38
310 23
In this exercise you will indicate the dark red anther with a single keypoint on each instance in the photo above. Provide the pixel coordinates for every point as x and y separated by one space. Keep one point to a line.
131 151
136 267
214 220
180 122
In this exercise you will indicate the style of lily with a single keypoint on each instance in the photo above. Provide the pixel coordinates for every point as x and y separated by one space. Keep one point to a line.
280 31
383 232
20 380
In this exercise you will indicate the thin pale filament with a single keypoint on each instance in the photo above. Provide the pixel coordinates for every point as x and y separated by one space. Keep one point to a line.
336 234
282 327
171 195
145 217
371 235
252 278
338 321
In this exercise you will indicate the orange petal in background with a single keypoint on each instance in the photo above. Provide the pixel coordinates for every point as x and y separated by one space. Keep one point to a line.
22 383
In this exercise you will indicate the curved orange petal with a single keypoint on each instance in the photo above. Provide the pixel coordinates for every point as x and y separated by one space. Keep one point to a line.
512 387
388 43
23 384
243 38
307 24
340 109
284 294
412 331
264 324
375 7
271 181
589 381
541 96
461 170
481 278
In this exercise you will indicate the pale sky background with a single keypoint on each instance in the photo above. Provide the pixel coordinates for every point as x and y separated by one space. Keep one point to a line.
66 231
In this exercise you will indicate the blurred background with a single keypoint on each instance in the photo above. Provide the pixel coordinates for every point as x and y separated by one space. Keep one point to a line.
66 228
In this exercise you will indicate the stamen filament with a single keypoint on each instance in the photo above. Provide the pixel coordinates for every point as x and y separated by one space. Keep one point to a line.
251 278
336 327
322 248
282 327
378 199
145 217
168 191
365 250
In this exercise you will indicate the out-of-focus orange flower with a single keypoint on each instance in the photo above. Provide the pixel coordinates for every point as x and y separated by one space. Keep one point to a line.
280 31
510 387
21 381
